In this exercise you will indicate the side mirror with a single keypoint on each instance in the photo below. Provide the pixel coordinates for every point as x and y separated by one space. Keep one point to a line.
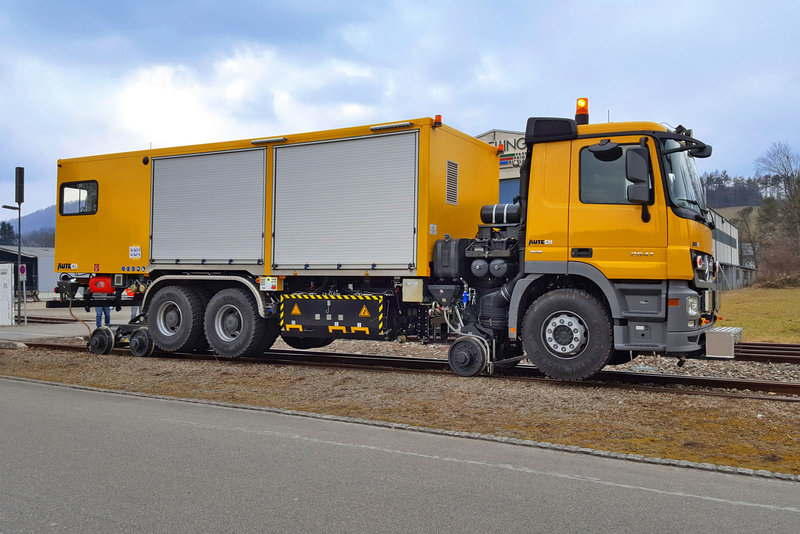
639 193
637 171
605 150
637 165
702 152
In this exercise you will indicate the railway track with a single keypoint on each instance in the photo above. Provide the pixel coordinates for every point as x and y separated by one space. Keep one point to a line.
746 352
50 320
684 384
767 352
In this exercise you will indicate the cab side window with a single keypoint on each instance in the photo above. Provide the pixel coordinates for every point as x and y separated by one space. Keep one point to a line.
78 198
603 181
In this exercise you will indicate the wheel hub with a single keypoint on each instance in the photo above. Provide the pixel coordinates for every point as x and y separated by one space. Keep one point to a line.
462 357
168 318
172 319
228 323
565 334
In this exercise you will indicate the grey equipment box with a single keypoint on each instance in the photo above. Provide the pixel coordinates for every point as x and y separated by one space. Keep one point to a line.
720 341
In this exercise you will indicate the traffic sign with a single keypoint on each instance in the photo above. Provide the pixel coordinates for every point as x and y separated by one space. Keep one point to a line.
23 273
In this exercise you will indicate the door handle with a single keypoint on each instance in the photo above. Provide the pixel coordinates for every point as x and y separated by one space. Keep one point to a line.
581 253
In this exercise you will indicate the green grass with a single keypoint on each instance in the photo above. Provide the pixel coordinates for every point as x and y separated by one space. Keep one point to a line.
764 314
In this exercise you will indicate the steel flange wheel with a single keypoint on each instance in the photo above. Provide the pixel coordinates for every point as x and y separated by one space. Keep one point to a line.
467 356
141 343
101 341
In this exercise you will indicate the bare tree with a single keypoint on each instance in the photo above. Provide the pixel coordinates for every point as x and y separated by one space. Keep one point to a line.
783 165
749 234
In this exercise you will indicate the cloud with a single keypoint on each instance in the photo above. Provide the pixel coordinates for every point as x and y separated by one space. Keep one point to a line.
252 91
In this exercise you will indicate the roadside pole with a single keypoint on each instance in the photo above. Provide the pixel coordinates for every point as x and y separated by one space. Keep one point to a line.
19 194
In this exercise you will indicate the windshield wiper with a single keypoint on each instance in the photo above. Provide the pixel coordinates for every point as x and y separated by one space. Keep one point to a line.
702 216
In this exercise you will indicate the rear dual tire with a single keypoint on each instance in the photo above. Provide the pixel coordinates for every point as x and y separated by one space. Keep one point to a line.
234 327
175 319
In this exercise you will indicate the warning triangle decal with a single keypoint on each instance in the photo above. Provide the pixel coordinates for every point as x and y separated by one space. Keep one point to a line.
364 312
296 310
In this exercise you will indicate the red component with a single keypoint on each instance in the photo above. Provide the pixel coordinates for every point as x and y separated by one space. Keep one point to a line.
100 284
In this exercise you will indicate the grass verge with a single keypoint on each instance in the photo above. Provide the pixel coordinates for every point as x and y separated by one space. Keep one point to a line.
771 315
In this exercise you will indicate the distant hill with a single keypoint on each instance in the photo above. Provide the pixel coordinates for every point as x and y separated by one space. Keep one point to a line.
38 220
733 212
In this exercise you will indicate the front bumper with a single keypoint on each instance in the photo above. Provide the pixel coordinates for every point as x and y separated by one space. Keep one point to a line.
686 334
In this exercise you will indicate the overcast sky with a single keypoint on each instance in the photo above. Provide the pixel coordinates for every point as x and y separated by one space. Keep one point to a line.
93 77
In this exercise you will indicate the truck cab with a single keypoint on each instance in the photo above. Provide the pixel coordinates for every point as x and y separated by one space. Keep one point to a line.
617 255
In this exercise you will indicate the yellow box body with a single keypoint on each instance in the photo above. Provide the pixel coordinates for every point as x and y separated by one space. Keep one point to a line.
116 238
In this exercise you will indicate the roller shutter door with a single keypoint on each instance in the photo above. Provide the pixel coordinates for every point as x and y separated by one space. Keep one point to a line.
346 204
209 207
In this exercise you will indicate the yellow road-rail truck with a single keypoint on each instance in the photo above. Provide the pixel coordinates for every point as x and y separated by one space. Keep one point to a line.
393 230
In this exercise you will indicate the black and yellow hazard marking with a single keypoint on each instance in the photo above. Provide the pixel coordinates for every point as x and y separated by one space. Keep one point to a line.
339 316
314 296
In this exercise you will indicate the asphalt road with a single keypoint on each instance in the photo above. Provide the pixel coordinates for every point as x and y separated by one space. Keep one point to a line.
84 461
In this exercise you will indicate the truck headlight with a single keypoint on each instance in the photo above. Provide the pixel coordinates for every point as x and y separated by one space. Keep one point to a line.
692 306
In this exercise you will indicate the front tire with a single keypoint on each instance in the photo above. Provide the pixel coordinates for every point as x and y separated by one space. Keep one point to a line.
233 326
567 334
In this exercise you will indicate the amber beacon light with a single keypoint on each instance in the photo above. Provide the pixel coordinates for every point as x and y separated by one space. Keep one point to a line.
582 111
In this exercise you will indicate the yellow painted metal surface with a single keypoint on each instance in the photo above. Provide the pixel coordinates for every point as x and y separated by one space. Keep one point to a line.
104 242
478 185
108 240
622 244
548 203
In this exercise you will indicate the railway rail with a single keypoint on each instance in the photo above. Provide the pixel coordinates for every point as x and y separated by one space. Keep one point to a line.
767 352
684 384
746 352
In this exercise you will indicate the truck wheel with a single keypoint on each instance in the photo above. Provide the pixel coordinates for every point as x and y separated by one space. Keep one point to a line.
567 334
307 342
175 319
273 330
233 326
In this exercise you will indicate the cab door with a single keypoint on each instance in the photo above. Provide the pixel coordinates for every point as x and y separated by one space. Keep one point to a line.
607 231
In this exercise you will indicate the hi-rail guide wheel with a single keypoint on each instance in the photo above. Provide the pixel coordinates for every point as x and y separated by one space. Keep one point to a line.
101 341
467 356
141 343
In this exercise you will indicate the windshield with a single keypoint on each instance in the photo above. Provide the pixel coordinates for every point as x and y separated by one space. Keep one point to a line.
685 188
